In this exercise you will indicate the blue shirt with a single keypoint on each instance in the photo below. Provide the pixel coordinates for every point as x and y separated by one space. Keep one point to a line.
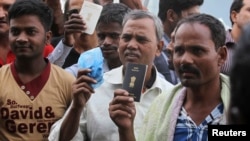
161 63
187 130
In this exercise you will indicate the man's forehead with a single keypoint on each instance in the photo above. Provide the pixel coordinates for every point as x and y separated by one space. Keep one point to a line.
192 30
29 20
246 2
191 26
140 22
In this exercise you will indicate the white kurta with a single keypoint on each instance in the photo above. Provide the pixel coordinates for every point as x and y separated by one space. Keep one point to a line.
95 122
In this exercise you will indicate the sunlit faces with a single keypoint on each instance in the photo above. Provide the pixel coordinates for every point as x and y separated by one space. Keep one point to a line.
27 36
195 57
108 39
4 6
138 42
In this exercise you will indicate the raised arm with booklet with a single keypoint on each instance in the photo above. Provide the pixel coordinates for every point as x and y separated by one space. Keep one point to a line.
134 79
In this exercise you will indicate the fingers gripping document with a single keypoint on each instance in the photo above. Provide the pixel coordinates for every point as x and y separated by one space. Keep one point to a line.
134 79
90 13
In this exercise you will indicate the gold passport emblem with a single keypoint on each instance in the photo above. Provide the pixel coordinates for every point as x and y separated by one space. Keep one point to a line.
132 82
134 79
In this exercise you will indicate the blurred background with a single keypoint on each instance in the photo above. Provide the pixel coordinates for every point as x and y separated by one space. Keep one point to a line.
217 8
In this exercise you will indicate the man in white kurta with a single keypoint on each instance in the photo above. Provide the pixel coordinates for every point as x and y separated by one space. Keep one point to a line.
95 123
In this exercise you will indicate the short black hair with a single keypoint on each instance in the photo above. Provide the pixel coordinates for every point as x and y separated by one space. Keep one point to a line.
176 5
240 79
235 6
217 29
32 7
113 12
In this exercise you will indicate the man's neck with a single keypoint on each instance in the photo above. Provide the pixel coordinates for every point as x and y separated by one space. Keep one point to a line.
206 94
28 70
235 32
29 67
114 63
167 30
199 103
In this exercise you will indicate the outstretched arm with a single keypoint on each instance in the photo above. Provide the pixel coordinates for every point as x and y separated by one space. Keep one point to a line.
75 24
81 91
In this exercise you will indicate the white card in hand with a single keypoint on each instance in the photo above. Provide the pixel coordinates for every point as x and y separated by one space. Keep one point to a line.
90 13
116 1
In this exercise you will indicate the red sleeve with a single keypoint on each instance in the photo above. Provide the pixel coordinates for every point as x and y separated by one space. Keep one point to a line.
47 50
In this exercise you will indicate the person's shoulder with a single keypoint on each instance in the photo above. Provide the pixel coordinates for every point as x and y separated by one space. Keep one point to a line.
225 80
168 97
225 84
5 68
172 90
114 70
61 72
113 74
162 82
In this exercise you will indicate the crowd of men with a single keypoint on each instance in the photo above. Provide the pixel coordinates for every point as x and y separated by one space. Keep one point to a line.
197 71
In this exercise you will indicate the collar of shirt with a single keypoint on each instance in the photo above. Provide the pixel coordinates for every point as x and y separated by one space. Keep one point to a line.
115 76
229 38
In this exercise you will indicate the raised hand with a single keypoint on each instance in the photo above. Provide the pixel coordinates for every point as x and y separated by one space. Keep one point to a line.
75 24
122 109
81 88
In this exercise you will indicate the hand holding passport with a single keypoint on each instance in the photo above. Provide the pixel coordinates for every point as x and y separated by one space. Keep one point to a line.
134 79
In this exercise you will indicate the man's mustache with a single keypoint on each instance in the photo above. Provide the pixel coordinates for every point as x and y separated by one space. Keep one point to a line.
109 48
189 69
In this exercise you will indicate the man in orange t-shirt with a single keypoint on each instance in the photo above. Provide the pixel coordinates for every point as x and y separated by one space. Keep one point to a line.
6 56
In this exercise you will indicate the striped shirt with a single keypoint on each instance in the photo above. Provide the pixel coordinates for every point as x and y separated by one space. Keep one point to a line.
187 130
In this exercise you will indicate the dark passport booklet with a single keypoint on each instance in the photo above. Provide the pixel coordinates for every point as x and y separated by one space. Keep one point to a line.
134 79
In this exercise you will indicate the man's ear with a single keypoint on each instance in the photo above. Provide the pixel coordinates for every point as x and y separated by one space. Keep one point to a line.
222 52
159 48
171 15
48 37
233 16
